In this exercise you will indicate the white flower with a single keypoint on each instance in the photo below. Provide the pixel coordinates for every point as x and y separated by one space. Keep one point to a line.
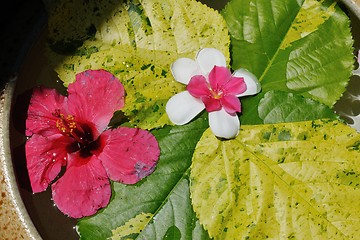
210 86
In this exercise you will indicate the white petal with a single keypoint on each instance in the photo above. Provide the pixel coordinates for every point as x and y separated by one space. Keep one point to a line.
183 69
252 83
223 124
182 108
207 58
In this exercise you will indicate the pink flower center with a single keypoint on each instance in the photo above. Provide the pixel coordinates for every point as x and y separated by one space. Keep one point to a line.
216 94
65 125
218 90
82 133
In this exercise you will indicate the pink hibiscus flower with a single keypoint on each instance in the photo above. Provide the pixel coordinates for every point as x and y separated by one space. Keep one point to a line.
73 131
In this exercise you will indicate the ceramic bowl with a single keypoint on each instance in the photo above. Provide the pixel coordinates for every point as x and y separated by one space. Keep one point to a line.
24 215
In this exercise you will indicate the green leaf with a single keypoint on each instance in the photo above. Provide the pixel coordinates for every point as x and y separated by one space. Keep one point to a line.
137 41
173 233
302 47
290 180
278 106
176 218
152 208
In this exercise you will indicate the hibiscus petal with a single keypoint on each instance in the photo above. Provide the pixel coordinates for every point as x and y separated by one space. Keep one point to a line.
183 69
83 189
207 58
231 104
218 77
129 155
94 97
182 108
43 104
253 85
198 87
44 157
224 125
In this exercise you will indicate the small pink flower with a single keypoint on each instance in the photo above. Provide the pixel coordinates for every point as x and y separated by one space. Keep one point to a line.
219 91
72 132
210 85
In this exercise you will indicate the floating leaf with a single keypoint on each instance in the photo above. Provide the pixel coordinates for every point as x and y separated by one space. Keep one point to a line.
310 17
278 106
161 201
137 41
176 219
140 73
173 233
133 226
290 180
302 47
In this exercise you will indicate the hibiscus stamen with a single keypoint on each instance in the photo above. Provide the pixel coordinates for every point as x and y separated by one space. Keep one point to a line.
84 140
67 125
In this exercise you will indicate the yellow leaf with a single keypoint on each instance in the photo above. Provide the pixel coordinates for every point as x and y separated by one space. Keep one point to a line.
279 181
310 17
133 226
137 41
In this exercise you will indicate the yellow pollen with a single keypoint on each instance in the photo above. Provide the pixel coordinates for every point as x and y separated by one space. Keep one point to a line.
216 95
66 125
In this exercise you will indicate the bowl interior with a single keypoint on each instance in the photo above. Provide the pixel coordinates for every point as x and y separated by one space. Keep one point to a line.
49 221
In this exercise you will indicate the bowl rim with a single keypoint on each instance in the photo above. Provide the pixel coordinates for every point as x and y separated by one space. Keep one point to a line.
353 5
17 212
